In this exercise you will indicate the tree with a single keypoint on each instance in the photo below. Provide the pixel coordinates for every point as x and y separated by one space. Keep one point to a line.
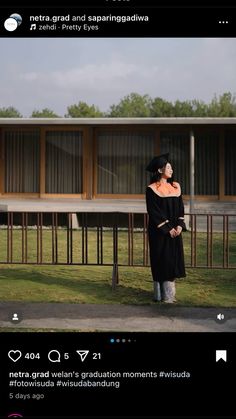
161 108
224 106
82 110
10 112
183 109
133 105
200 109
44 113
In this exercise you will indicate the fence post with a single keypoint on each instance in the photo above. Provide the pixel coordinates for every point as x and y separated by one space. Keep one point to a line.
115 276
115 273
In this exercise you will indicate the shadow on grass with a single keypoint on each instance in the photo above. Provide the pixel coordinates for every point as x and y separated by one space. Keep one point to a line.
92 285
57 284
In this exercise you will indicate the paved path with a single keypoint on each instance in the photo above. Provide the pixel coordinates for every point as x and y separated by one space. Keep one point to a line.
127 318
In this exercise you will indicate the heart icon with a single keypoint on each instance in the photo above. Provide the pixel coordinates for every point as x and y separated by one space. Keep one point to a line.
14 355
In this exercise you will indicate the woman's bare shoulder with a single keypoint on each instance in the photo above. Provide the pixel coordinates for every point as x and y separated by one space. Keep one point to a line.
151 186
177 186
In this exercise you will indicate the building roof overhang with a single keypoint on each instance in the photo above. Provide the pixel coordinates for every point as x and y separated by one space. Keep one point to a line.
116 121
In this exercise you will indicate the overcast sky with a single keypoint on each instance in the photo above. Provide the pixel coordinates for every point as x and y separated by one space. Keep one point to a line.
56 73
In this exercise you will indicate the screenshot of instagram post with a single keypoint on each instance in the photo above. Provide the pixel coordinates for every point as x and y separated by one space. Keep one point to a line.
118 211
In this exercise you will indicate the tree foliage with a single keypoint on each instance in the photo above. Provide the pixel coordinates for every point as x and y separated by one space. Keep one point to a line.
133 105
161 108
44 113
82 110
224 106
10 112
138 106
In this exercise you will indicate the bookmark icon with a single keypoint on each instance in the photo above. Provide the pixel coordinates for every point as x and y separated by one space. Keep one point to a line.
221 354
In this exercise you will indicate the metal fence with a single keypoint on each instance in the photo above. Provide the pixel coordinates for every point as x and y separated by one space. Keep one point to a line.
110 239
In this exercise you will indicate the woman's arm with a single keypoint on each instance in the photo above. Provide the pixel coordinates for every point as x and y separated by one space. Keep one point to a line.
181 222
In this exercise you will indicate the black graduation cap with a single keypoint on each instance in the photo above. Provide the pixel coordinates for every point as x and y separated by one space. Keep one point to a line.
157 163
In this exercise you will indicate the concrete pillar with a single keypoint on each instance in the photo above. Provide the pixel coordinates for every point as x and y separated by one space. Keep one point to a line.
75 221
192 180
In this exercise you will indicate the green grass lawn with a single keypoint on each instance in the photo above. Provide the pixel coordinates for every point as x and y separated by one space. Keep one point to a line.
92 284
85 284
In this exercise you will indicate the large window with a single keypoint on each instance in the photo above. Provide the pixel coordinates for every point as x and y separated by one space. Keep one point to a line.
230 166
122 158
21 161
63 162
207 163
177 144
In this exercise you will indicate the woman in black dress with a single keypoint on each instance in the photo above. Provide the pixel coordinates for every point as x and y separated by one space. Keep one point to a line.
166 222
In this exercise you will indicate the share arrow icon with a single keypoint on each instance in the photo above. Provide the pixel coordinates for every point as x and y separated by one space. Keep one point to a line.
82 354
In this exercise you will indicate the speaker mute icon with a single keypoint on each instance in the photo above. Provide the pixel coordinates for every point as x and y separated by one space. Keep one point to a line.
220 318
82 354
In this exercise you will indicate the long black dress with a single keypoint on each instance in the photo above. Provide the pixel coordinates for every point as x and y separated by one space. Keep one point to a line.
166 211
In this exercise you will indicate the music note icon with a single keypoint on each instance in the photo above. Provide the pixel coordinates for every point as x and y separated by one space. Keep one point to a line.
33 26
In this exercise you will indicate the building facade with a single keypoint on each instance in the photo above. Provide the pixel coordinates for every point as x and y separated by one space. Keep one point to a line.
92 158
